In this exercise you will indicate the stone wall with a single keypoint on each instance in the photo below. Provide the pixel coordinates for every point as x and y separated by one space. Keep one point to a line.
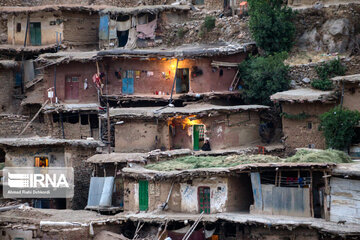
119 3
298 73
329 29
7 89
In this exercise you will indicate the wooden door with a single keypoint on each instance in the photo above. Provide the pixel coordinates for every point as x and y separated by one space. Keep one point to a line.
35 34
72 88
182 80
198 134
143 195
128 82
204 199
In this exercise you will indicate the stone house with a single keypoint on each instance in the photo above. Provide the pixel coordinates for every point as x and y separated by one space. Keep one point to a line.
301 109
51 152
165 128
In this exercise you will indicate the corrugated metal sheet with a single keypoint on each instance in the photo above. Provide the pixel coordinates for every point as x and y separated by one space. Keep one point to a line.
345 200
256 187
100 191
291 201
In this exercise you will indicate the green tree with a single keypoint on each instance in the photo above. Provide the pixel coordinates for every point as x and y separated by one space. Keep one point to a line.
338 127
271 25
264 76
326 71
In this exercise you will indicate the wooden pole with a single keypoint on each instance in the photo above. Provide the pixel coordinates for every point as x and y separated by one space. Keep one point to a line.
37 114
108 126
311 194
326 193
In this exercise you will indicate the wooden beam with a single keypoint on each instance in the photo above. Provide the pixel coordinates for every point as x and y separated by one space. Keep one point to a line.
37 114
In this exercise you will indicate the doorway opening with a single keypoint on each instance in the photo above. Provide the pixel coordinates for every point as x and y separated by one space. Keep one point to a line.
182 80
123 23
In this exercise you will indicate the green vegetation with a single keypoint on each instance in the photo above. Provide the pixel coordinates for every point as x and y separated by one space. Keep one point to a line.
321 156
2 165
192 162
271 25
264 76
338 127
326 71
181 32
209 23
300 116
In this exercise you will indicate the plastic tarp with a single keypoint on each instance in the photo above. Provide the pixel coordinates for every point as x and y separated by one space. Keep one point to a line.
147 30
100 192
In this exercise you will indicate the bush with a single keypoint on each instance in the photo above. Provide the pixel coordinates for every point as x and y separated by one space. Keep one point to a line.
271 25
209 23
181 32
264 76
338 126
326 71
323 85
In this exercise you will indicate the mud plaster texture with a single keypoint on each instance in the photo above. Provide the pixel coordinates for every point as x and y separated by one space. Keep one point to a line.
7 89
226 194
296 132
224 131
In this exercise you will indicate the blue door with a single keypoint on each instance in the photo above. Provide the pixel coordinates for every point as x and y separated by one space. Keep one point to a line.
128 82
104 27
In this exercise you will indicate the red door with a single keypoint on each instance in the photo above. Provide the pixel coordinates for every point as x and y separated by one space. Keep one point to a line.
72 88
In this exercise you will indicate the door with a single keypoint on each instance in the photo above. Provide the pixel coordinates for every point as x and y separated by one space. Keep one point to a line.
128 82
198 133
182 80
35 34
72 88
143 195
204 199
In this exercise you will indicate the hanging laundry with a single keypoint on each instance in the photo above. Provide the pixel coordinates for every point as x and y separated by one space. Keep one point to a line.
149 73
123 26
147 30
97 80
137 74
131 43
85 84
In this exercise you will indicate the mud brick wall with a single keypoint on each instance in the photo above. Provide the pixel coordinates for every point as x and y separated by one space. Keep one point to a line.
75 157
296 132
6 90
119 3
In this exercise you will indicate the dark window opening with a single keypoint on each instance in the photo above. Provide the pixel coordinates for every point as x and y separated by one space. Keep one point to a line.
72 118
94 121
309 125
230 229
2 156
182 80
84 119
18 27
122 18
356 138
122 38
56 117
151 17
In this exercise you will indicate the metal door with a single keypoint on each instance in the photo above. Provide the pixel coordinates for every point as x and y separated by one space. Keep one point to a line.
204 199
71 88
35 34
128 82
143 195
196 135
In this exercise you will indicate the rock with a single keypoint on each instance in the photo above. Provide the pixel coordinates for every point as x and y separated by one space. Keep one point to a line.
306 80
318 5
293 83
338 27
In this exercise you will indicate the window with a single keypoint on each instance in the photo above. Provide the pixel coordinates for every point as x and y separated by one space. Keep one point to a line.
94 121
41 162
309 125
84 119
18 27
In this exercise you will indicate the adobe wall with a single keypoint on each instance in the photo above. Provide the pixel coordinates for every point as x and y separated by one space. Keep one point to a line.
24 157
75 157
224 131
84 71
299 3
71 130
81 29
141 136
207 82
351 96
296 132
7 89
240 195
48 32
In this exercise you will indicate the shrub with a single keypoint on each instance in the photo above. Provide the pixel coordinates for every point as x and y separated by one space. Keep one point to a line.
264 76
271 25
209 23
326 71
338 127
181 32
